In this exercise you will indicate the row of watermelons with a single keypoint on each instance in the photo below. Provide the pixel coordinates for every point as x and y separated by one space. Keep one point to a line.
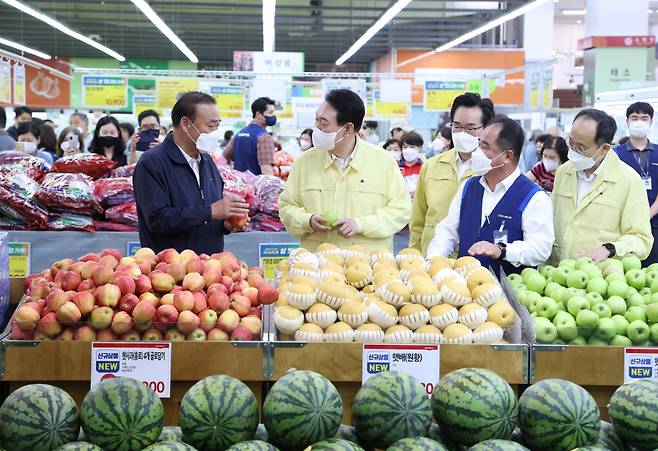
303 411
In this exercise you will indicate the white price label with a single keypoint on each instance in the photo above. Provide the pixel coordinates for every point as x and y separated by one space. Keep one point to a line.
640 363
149 363
419 361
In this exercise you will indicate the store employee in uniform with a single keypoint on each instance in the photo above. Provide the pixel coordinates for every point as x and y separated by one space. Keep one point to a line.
500 217
642 156
600 203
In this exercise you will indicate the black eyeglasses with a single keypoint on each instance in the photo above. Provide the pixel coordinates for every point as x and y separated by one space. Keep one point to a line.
459 127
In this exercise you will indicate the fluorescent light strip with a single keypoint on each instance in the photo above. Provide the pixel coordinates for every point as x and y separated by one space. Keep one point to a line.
146 9
479 30
63 28
269 11
24 48
373 30
574 12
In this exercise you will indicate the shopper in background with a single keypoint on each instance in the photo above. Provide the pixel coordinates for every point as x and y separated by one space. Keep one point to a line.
68 142
442 142
228 134
21 114
344 178
252 149
29 139
553 155
600 203
305 140
178 188
6 141
107 140
392 146
148 123
81 122
49 123
532 150
370 130
441 175
127 131
642 155
412 146
396 133
500 216
48 141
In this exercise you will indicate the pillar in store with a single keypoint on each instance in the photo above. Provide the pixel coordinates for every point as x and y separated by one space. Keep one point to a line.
538 28
616 46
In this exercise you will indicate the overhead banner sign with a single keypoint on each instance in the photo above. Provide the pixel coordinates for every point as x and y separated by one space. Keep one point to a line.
440 94
278 62
357 85
168 90
145 102
391 110
5 82
230 100
105 92
19 84
547 89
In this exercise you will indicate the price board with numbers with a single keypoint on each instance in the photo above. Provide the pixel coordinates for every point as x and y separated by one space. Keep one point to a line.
105 92
440 94
640 363
271 254
19 260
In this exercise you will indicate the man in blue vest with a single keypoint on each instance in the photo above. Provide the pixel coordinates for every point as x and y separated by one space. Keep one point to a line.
641 155
500 217
252 149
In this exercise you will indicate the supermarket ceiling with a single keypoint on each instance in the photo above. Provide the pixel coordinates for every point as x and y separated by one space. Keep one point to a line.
213 29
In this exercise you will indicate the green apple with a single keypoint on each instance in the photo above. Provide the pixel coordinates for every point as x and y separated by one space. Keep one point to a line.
560 274
568 263
546 270
515 278
636 278
602 310
330 218
566 326
652 313
576 304
587 319
552 289
654 332
546 331
527 271
651 276
596 341
559 341
605 330
533 315
583 261
592 271
646 294
535 282
621 340
615 276
546 307
578 341
577 279
631 262
635 313
597 285
654 286
634 299
621 323
618 288
531 300
617 304
638 332
594 298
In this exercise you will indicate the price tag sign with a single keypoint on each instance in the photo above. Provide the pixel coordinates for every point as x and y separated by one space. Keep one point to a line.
419 361
105 92
149 363
132 247
640 363
230 100
271 254
440 94
19 260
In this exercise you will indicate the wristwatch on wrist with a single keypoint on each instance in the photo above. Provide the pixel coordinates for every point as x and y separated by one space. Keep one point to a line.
611 248
503 250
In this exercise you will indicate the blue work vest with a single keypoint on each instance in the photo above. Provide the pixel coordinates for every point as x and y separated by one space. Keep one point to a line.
245 149
627 156
507 216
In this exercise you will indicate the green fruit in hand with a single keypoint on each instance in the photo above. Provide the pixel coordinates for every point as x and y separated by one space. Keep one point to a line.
605 330
576 304
597 285
621 340
617 305
594 298
621 323
602 310
577 279
618 288
330 218
578 341
635 313
631 262
638 332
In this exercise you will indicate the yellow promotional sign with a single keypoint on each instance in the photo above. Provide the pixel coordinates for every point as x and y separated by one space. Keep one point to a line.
440 94
105 92
19 84
5 82
535 92
547 88
230 100
169 89
19 260
391 110
142 103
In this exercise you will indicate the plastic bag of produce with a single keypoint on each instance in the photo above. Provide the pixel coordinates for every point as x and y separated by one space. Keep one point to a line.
72 222
268 189
239 183
91 164
123 214
114 191
33 167
123 171
105 226
7 223
16 200
71 193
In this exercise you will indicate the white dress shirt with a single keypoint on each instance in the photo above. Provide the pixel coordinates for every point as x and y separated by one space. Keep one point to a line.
536 220
342 163
194 164
585 182
462 166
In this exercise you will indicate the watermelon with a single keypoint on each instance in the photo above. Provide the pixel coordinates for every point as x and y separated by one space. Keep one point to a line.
261 434
38 417
390 406
122 414
170 445
79 446
473 405
347 433
416 444
253 445
218 412
436 434
171 434
517 436
498 445
608 438
558 415
592 448
335 444
302 408
633 412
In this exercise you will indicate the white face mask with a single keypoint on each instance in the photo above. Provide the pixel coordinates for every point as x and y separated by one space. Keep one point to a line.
396 154
550 165
206 142
305 144
639 129
581 162
325 140
28 147
464 142
481 164
410 154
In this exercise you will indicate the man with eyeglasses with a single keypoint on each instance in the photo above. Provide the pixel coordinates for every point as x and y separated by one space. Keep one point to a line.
441 175
148 121
600 203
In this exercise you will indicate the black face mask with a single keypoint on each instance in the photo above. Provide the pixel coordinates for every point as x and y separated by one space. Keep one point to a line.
108 141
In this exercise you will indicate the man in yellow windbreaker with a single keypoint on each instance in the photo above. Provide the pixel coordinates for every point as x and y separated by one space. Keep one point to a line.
345 177
599 203
442 175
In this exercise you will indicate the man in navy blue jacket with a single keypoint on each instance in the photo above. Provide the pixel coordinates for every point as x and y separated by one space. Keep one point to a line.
178 188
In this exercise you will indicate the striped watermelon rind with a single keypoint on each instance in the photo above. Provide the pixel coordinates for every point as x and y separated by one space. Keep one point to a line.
633 411
609 439
122 414
558 415
217 412
436 434
302 408
498 445
416 444
170 445
473 405
171 434
335 444
79 446
592 448
253 445
38 417
390 406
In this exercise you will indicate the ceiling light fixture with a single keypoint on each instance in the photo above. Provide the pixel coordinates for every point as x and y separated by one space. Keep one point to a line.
373 30
481 29
269 11
146 9
574 12
63 28
24 48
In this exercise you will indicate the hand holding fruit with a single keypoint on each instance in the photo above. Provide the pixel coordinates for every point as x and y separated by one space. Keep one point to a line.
229 206
236 223
485 249
347 227
597 255
317 223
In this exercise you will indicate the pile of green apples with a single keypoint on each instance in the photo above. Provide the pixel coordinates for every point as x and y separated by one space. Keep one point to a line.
612 303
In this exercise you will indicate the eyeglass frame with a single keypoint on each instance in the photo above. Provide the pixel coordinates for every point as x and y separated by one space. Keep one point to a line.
459 128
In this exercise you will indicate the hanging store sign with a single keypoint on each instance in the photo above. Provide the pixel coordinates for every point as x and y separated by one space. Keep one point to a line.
357 85
440 94
19 84
19 260
392 110
105 92
278 62
271 254
145 102
230 100
168 90
5 82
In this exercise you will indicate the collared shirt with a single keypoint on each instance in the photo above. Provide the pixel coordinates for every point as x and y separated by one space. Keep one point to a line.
585 182
641 155
537 222
342 163
194 164
264 148
462 166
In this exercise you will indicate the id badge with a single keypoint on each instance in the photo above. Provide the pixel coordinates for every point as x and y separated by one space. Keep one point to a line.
500 236
647 182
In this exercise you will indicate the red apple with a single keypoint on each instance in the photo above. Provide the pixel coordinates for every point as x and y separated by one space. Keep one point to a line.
241 334
126 284
177 271
174 335
153 299
267 294
101 317
87 285
84 333
194 265
217 288
217 335
88 269
152 335
194 282
166 314
108 295
200 302
169 256
219 302
162 266
211 276
228 283
167 299
67 335
255 280
122 323
106 335
91 257
241 305
251 293
26 318
253 324
196 335
103 275
131 335
19 334
162 282
187 322
49 326
113 252
128 302
207 319
109 260
145 252
62 265
144 312
184 300
143 284
56 298
70 280
240 286
228 321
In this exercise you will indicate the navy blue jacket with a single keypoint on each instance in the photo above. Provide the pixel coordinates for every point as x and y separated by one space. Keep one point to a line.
245 149
627 156
174 212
